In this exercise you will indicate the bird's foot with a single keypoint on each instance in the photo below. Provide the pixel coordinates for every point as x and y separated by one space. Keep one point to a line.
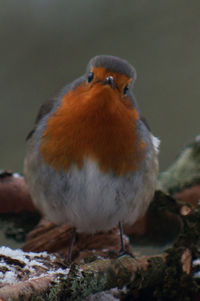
123 252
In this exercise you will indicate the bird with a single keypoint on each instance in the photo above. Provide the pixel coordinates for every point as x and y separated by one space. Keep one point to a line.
91 159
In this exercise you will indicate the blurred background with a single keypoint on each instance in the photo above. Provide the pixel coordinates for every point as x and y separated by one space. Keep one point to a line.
46 44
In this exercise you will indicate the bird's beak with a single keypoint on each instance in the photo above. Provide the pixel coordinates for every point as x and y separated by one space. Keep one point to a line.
109 81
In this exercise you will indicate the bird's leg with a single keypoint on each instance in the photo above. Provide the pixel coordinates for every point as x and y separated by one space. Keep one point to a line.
123 250
72 240
121 239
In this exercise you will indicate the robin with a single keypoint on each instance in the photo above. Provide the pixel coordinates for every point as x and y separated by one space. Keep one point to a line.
92 160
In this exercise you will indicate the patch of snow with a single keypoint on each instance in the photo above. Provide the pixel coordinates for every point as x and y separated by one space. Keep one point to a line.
17 175
51 272
156 143
196 262
30 260
19 254
9 277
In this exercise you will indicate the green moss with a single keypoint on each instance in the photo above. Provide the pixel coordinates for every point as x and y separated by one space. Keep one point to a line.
77 286
144 282
90 259
37 298
184 172
117 275
176 285
56 292
190 233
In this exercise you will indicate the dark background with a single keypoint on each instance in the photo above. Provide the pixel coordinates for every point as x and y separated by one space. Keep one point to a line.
46 44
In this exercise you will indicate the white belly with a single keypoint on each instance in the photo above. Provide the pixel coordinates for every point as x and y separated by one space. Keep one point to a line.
89 199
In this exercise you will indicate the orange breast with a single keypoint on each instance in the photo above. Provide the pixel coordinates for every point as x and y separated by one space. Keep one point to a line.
93 122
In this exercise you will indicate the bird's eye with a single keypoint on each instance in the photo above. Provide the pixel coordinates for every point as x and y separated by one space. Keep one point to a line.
90 76
126 89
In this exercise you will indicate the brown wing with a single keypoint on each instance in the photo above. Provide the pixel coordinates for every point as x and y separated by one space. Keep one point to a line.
44 109
145 122
48 105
